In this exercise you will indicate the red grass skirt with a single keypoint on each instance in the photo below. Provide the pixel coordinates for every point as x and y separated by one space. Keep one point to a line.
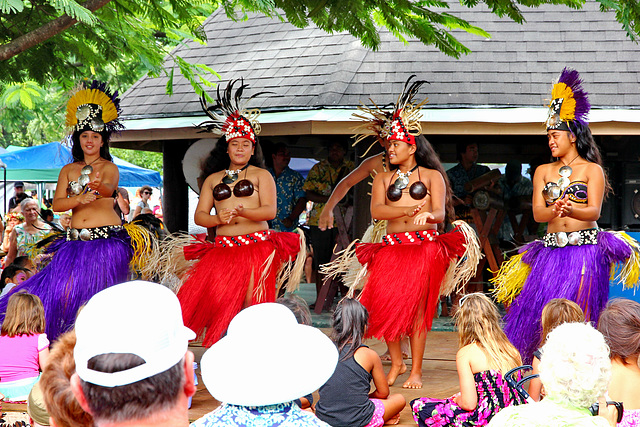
216 286
403 284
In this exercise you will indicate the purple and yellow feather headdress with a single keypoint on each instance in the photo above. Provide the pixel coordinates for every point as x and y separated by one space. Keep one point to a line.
94 108
569 102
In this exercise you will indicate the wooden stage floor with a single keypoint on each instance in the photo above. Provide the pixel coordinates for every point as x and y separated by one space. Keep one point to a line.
439 377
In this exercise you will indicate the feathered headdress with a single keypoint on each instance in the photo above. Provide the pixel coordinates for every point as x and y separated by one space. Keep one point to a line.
405 122
94 108
229 115
372 119
569 102
401 123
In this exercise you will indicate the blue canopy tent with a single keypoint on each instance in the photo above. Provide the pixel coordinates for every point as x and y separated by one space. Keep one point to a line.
42 163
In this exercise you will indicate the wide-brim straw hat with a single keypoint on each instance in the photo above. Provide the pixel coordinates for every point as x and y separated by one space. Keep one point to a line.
267 358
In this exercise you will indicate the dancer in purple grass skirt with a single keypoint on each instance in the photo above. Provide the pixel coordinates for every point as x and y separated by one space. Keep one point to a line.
97 250
575 258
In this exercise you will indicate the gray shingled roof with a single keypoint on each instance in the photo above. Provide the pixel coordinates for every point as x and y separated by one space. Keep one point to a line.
309 69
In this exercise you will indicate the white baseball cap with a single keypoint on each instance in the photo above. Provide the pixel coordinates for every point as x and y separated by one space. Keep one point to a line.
277 359
137 317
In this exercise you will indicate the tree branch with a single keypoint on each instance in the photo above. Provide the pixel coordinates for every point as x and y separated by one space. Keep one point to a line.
45 32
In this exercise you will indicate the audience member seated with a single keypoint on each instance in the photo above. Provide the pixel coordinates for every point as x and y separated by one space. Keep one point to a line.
485 355
11 276
64 219
24 236
300 309
555 313
265 362
620 325
55 387
133 367
345 399
26 263
575 371
12 220
24 346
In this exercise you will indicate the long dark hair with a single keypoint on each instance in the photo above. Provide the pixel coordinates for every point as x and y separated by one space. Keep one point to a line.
76 148
350 320
588 149
427 157
218 159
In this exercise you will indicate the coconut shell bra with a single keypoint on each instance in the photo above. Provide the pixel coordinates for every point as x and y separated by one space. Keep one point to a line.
242 188
417 191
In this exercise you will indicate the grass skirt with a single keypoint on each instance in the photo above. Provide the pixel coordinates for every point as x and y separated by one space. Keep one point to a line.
77 271
578 273
404 282
215 288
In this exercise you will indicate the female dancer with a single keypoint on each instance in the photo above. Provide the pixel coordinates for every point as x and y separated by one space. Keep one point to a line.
240 267
413 199
573 260
96 251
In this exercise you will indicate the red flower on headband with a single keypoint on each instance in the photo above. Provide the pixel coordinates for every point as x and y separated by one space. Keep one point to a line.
399 131
237 126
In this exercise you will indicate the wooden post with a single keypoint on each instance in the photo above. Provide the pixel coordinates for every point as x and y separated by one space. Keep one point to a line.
175 205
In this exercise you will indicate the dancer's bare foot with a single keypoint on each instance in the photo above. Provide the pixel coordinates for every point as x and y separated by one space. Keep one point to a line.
387 357
394 372
414 381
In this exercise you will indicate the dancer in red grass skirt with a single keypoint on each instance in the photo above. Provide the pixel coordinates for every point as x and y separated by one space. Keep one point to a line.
414 264
247 261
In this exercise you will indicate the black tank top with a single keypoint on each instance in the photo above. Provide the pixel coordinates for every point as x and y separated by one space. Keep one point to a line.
344 399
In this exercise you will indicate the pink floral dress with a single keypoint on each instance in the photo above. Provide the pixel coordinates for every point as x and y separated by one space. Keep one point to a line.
493 394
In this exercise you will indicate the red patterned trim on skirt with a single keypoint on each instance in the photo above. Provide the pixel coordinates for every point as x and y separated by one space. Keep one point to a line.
409 237
243 239
403 283
216 286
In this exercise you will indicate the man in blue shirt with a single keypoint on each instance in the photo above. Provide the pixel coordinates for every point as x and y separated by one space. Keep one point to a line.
291 196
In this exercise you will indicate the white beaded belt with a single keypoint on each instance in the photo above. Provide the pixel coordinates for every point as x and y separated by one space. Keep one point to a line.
92 233
574 238
409 237
242 239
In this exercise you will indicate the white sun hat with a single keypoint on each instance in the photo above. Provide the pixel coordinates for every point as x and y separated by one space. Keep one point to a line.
267 358
137 317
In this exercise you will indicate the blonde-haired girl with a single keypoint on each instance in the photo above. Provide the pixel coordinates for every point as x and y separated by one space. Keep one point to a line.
555 313
485 355
24 346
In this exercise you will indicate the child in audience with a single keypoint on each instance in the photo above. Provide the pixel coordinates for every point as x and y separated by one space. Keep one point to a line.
26 263
300 309
620 325
11 276
345 399
24 345
485 355
555 313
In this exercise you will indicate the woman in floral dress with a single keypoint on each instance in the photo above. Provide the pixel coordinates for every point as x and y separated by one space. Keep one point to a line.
485 354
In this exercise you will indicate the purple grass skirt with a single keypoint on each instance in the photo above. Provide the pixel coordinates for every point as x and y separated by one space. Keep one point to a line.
558 273
77 271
